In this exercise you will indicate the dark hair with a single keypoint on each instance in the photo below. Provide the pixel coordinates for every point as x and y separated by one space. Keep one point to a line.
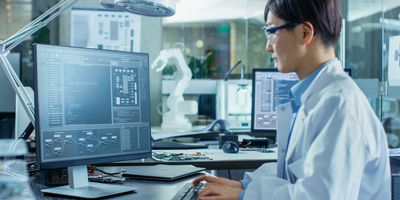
324 15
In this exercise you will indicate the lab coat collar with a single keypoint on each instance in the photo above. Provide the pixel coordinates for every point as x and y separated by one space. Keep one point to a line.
333 66
299 88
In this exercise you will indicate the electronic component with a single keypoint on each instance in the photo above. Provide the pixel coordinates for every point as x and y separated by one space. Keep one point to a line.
106 179
164 156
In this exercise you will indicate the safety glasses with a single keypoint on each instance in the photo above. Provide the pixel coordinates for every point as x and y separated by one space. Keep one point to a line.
271 30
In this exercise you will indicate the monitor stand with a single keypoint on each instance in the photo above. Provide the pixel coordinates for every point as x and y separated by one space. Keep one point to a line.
79 186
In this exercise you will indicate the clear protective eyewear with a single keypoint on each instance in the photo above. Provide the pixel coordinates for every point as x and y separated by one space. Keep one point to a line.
271 30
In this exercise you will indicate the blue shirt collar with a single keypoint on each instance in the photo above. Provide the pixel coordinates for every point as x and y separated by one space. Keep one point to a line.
299 88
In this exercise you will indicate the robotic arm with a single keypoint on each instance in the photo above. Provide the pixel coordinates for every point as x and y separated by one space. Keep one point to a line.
177 107
183 73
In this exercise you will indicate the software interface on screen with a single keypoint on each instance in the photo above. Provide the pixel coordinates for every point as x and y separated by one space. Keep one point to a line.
270 89
91 104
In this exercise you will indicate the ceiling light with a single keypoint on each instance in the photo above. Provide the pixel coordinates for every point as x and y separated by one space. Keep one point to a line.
152 8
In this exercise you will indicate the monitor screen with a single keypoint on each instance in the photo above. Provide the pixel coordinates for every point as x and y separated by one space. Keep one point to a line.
270 89
91 106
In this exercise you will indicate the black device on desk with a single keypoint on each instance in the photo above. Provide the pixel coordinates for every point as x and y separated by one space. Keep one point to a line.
230 147
91 106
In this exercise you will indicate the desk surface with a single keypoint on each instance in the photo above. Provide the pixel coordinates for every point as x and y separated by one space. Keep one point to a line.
148 190
220 160
166 190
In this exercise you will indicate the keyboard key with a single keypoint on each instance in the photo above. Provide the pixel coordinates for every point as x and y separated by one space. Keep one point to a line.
188 192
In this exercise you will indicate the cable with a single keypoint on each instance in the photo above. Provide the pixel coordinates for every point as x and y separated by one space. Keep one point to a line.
27 132
230 71
94 168
229 174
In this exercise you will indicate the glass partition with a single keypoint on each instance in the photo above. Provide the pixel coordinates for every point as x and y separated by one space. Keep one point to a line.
217 34
390 19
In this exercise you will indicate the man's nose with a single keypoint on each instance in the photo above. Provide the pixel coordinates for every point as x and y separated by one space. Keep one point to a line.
269 47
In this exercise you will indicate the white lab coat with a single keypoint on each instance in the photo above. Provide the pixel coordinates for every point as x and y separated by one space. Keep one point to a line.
337 149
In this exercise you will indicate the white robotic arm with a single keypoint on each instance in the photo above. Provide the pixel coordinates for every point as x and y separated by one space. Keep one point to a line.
183 74
177 107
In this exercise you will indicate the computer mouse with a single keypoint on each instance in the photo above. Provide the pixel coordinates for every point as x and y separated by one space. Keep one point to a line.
230 147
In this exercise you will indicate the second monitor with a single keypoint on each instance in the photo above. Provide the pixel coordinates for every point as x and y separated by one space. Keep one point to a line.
270 89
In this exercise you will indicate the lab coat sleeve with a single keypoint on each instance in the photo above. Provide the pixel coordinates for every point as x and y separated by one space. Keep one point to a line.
332 165
267 169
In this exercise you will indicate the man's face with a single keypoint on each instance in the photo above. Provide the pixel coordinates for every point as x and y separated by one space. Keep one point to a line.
282 44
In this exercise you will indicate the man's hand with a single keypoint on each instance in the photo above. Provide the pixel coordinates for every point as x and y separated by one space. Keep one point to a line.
218 188
214 192
218 181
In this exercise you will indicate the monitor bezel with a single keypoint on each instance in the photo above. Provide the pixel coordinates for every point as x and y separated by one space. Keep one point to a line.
80 161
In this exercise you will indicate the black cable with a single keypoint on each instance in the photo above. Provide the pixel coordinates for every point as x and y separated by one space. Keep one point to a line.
229 174
232 68
27 132
110 173
94 168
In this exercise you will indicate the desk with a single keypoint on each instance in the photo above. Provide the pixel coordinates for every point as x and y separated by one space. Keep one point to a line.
221 160
146 190
166 190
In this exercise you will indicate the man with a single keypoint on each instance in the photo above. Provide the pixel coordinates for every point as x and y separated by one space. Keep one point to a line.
336 147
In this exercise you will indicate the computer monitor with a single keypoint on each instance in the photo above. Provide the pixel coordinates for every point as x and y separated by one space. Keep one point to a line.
270 89
91 106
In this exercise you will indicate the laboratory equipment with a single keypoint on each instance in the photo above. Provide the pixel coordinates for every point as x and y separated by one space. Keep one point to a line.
177 107
234 103
92 106
234 99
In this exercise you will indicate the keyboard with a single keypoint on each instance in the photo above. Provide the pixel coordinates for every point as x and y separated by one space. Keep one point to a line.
188 192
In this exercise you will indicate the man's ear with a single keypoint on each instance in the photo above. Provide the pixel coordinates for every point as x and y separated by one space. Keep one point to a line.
308 32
